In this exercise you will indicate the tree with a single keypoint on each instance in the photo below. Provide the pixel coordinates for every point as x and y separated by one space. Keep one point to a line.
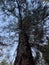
24 55
31 20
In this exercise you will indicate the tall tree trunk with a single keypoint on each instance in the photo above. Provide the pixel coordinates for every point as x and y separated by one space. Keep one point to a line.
24 55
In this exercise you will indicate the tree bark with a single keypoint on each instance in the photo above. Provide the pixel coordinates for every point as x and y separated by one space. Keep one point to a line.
24 55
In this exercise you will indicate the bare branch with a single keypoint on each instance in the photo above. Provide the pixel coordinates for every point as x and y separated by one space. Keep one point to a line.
3 44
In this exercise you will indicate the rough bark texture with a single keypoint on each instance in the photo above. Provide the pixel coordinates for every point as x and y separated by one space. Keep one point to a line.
24 55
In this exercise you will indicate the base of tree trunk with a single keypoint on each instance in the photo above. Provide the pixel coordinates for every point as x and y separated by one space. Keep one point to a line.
24 55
